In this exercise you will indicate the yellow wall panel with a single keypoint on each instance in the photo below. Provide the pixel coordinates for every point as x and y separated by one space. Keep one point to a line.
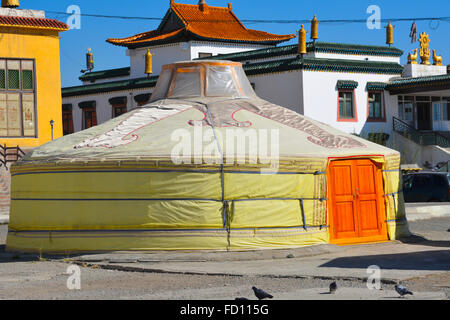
43 47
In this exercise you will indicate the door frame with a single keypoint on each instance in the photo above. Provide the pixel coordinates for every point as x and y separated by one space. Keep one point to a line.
382 219
426 108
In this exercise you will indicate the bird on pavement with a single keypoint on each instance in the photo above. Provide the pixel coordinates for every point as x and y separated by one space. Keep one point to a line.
333 287
402 291
261 294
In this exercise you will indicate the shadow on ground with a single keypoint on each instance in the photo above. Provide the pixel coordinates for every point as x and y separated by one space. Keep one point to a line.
420 240
426 260
6 257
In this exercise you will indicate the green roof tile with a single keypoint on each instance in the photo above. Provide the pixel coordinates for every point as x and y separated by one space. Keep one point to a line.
376 85
327 47
105 74
439 82
347 84
110 86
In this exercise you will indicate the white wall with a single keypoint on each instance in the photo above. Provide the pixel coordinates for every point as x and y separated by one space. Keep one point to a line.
354 57
321 99
104 108
183 51
161 55
284 89
221 48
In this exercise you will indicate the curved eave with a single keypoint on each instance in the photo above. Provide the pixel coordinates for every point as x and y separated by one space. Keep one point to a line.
420 84
58 29
187 35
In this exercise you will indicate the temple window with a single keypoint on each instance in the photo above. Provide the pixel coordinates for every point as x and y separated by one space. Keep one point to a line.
376 110
17 98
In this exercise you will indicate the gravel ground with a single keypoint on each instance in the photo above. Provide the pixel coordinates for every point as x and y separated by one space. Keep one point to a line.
33 277
41 279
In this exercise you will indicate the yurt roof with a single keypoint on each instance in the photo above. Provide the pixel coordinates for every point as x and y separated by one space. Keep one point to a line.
205 103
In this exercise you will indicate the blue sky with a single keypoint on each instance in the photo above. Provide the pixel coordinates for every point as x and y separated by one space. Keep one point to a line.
94 31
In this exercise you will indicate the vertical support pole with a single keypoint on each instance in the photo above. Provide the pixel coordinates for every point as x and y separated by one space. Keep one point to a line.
303 215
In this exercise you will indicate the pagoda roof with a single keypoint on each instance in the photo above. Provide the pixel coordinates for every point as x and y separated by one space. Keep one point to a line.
184 22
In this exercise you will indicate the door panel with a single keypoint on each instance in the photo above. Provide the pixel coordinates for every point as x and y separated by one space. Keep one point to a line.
346 225
356 205
369 218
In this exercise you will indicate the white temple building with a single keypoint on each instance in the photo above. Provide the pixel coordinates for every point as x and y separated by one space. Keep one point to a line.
360 89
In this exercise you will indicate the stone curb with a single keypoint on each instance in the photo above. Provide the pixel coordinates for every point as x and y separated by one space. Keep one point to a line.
420 211
133 268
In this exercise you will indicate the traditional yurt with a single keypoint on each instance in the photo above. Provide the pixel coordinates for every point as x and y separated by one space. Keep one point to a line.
205 165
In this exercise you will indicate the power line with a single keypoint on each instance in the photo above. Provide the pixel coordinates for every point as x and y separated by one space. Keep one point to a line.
256 21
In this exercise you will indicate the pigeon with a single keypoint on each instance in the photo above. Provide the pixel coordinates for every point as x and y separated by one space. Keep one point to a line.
241 298
333 287
261 294
401 290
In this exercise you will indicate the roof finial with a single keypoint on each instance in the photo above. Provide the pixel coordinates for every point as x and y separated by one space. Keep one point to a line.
203 6
10 3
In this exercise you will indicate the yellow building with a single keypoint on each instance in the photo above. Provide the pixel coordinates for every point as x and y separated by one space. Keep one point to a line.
30 79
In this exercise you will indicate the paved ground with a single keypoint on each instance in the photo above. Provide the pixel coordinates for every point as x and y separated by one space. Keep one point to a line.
422 263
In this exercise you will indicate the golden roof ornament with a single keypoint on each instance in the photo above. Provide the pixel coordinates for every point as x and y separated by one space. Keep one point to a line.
424 51
302 40
389 34
437 60
10 3
412 58
314 28
148 63
89 60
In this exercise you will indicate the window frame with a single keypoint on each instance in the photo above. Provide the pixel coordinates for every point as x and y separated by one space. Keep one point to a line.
204 55
355 109
383 106
70 128
402 100
21 91
120 106
84 111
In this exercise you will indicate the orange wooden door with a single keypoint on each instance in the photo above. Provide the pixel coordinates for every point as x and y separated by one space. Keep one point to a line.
356 206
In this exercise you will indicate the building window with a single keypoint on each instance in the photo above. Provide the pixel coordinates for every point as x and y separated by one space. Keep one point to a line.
67 119
90 117
119 110
17 98
119 106
89 113
445 106
436 108
376 107
405 108
204 54
347 108
142 99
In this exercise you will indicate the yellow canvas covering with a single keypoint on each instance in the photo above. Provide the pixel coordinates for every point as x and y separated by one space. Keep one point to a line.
130 184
